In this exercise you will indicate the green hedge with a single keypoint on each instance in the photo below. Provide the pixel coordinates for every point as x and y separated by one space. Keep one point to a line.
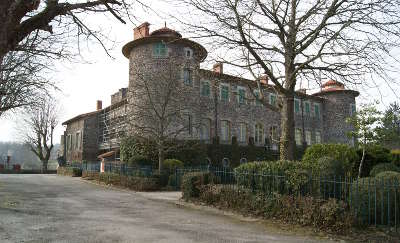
139 160
193 153
395 156
69 171
131 182
329 215
191 183
383 167
375 154
172 164
339 152
288 176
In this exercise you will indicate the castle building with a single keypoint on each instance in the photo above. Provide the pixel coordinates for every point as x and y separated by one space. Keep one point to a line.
222 105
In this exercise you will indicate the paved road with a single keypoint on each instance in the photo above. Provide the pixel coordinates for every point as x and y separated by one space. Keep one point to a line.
50 208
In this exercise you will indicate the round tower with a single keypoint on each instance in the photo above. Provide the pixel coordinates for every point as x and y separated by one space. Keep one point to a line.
339 104
160 60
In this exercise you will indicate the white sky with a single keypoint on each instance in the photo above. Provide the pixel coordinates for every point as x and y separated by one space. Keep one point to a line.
83 83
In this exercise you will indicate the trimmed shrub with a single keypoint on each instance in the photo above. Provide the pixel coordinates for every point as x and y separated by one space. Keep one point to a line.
131 182
375 154
370 195
339 152
329 215
140 160
69 171
383 167
171 164
328 167
395 156
281 176
191 183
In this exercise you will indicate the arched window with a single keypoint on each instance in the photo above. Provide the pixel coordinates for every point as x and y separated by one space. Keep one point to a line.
259 134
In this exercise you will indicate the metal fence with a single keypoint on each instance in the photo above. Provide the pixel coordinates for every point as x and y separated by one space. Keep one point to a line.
372 201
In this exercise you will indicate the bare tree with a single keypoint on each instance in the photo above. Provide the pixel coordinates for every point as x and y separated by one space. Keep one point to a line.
293 41
35 32
162 107
38 127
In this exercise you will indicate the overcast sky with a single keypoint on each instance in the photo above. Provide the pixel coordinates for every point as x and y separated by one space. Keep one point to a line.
83 83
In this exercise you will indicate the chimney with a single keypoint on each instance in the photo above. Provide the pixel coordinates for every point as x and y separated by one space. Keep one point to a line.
99 105
141 31
218 67
264 79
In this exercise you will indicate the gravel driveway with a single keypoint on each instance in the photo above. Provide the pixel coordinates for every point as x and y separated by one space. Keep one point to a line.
50 208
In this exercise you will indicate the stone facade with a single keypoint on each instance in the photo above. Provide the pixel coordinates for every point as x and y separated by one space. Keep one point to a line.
219 105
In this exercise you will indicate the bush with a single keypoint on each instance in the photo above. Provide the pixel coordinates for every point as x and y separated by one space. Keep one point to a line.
172 164
131 182
69 171
287 176
370 195
375 154
191 183
339 152
330 215
383 167
141 161
395 156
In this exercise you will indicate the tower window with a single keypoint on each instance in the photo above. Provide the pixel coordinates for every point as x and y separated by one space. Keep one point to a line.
187 76
188 52
160 49
272 99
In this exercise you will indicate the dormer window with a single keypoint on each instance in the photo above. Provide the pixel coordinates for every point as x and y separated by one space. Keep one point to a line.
160 49
188 52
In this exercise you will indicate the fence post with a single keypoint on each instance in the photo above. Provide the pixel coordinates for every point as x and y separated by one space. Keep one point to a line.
176 178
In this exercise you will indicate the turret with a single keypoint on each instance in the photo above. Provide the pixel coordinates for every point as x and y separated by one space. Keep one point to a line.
339 104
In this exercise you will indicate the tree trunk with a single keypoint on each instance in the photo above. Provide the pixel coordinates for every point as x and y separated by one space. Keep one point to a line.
361 163
160 157
287 128
44 166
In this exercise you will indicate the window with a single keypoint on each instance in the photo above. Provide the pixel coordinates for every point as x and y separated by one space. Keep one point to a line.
160 49
188 52
188 123
224 92
273 133
297 136
317 137
69 142
257 101
308 137
307 108
205 89
242 132
258 133
205 129
297 106
225 131
241 95
353 109
272 99
317 112
78 141
187 76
